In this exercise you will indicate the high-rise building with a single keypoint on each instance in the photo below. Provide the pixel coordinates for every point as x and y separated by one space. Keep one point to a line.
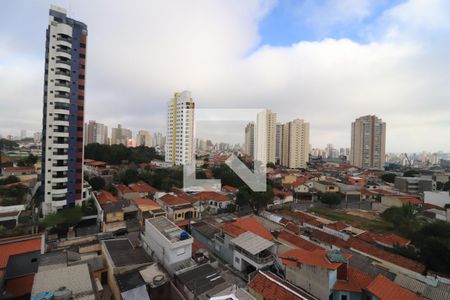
368 142
265 136
37 137
63 115
158 139
295 144
278 141
144 138
120 135
23 134
250 139
180 129
96 133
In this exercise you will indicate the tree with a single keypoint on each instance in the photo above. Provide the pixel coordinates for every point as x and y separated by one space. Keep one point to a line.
67 217
97 183
255 200
129 176
29 161
404 218
388 177
330 198
9 179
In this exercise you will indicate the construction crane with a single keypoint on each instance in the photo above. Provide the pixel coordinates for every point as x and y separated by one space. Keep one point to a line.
407 158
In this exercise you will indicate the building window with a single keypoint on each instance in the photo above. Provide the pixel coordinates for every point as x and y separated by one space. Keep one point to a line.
344 297
237 260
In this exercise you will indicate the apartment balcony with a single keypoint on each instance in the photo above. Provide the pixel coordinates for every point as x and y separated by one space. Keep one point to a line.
60 191
63 118
62 95
59 186
63 84
61 134
59 197
59 176
64 39
63 65
62 50
64 62
62 105
63 179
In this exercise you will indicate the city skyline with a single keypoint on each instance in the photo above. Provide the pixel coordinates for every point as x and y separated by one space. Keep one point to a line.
405 55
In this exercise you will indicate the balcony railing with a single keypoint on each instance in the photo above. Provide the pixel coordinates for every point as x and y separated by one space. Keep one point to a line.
59 176
60 61
59 198
62 84
63 50
261 259
62 73
65 96
60 38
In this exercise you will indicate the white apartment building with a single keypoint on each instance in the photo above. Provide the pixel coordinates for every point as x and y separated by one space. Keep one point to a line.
295 144
144 138
63 116
167 243
265 136
179 148
96 133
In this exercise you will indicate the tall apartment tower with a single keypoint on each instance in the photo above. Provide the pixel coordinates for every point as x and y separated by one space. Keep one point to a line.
250 139
265 136
278 141
368 142
295 144
120 135
179 148
144 138
63 114
96 133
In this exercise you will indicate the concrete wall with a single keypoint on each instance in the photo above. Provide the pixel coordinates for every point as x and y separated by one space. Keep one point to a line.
312 279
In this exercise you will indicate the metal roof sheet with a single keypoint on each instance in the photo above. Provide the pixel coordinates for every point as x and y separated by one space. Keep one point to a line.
251 242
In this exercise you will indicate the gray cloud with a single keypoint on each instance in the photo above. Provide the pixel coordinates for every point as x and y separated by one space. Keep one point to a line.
139 54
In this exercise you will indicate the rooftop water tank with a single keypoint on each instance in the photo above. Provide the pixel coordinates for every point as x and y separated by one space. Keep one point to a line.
184 235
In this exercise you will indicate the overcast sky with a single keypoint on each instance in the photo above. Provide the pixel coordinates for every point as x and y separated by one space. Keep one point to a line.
325 61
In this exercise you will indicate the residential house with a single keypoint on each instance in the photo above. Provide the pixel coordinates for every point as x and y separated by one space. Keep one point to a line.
124 192
323 186
144 189
148 208
111 214
217 202
383 289
177 208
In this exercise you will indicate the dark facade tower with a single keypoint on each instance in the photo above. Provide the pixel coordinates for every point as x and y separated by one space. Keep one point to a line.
63 115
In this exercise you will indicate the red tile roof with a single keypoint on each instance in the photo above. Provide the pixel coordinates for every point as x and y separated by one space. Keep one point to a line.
368 249
338 226
300 216
229 188
12 169
172 200
299 256
19 286
385 289
356 281
206 196
390 239
145 201
232 230
410 200
251 224
18 245
280 193
297 241
271 287
142 187
292 227
124 189
104 197
196 245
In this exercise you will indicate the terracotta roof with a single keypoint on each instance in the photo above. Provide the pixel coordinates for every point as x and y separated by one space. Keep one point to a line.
87 160
299 256
19 286
387 256
292 227
429 206
97 163
229 188
300 216
12 169
204 196
13 246
124 189
251 224
145 202
369 249
390 239
104 197
196 245
173 200
297 241
385 289
142 187
410 200
271 287
381 192
337 226
356 281
280 193
232 230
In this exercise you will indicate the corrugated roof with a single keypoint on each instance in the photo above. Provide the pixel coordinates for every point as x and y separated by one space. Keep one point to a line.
439 292
252 243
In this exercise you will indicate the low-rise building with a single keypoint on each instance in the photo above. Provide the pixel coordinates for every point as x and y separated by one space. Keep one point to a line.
18 171
167 243
148 208
325 187
177 208
414 185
